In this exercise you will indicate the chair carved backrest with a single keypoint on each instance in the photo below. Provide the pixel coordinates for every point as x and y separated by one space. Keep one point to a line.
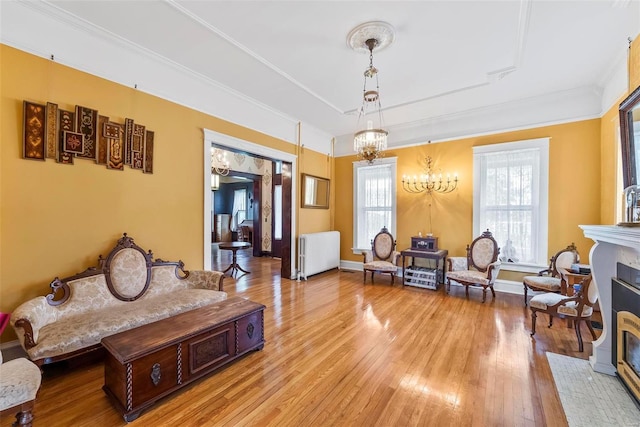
586 296
383 245
482 252
564 259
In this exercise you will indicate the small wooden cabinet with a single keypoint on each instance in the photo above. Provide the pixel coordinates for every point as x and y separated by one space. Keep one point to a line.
428 278
145 364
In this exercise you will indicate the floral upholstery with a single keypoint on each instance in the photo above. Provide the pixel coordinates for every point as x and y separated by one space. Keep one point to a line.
578 308
382 258
551 279
19 382
384 266
479 268
457 263
550 284
128 272
92 312
544 301
482 253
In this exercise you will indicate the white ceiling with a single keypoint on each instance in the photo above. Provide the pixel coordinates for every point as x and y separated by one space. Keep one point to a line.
450 61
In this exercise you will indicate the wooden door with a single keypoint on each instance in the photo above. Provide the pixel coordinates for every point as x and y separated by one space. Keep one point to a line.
287 211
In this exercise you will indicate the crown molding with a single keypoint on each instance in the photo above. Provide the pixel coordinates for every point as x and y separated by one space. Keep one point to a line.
566 106
146 70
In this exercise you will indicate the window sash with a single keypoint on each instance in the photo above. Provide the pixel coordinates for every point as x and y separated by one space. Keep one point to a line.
511 198
374 200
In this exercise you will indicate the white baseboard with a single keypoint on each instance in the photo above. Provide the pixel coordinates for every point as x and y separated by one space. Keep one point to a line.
504 286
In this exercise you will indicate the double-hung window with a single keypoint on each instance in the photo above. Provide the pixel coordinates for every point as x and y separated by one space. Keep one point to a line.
511 183
374 200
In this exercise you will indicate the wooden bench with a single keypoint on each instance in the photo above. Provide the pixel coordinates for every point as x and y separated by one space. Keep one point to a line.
152 361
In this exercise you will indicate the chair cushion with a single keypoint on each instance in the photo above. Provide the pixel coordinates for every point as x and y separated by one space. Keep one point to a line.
383 266
544 301
469 276
551 284
19 382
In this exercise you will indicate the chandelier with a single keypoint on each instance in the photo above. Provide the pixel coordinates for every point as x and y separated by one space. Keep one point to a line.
219 162
370 142
429 182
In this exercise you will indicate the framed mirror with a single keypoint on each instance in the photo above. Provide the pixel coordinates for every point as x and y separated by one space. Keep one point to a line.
315 192
630 138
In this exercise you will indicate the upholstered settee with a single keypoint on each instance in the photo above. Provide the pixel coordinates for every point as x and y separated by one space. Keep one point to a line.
128 289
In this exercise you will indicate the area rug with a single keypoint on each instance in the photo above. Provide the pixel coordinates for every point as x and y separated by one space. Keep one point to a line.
589 398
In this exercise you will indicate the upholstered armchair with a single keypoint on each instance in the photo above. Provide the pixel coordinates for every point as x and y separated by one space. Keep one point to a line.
19 383
578 308
550 280
479 268
382 258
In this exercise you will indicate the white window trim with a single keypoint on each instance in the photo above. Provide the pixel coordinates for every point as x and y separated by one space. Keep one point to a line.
543 145
393 161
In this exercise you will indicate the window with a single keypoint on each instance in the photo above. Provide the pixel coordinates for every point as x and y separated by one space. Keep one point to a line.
511 183
374 200
239 208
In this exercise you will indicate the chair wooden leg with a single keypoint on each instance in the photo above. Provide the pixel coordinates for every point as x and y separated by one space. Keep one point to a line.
466 290
550 320
484 294
525 295
393 278
24 417
364 276
448 285
372 277
579 335
493 292
590 326
534 316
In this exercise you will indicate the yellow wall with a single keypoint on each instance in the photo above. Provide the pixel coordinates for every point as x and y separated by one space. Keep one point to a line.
314 163
574 189
56 219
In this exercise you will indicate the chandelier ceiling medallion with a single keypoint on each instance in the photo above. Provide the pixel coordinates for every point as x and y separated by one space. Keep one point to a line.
370 140
429 182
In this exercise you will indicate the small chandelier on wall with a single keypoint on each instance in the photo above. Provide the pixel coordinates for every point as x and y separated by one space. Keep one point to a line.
219 162
370 141
429 182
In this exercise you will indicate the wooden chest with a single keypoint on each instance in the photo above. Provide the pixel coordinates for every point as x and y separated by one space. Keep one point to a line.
145 364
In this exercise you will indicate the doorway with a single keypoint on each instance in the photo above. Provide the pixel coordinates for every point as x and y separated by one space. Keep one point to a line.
289 167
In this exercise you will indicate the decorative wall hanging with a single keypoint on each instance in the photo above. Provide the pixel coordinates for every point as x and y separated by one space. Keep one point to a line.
51 135
101 154
148 152
128 137
51 132
115 148
65 123
33 146
73 142
86 124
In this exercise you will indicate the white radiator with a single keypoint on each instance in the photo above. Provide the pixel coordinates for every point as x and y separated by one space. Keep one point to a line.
318 252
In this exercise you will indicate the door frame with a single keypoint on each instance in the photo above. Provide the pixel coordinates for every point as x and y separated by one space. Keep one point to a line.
233 143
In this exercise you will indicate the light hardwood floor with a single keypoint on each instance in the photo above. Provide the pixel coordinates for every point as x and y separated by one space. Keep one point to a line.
340 352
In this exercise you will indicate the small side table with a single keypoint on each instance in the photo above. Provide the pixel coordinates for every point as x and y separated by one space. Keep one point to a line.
416 275
234 247
571 279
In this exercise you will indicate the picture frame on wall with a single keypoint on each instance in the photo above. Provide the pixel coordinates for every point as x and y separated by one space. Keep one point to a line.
51 135
33 138
66 122
73 142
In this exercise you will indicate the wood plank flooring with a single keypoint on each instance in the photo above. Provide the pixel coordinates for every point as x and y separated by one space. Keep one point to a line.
342 353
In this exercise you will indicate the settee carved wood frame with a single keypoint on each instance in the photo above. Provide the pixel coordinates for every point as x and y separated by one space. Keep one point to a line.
60 291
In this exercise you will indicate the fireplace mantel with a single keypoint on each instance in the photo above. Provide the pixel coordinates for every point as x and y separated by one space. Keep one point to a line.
612 244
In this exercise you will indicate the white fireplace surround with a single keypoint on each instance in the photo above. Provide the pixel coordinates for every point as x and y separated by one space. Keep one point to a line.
613 244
